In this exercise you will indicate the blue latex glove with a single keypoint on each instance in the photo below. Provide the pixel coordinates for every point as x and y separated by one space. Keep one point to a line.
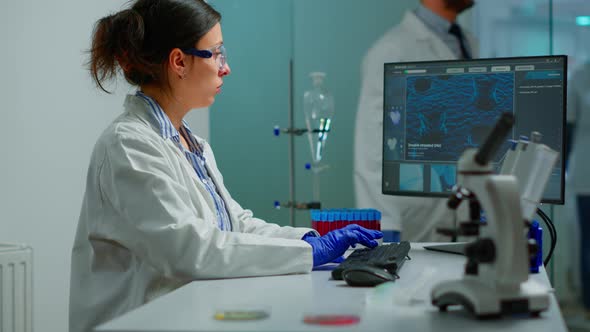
332 245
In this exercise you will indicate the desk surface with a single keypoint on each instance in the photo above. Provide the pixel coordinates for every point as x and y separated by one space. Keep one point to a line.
403 305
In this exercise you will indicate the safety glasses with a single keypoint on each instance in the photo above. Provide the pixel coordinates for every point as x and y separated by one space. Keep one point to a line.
216 52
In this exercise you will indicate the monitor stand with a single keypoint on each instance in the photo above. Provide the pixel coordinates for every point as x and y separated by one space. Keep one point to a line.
457 248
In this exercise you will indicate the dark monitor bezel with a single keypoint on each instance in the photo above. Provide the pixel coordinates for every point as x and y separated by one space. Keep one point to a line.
559 201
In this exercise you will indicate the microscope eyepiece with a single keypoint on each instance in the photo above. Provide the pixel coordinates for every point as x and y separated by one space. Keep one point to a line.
494 141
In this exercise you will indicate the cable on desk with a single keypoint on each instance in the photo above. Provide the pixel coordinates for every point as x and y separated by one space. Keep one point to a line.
552 234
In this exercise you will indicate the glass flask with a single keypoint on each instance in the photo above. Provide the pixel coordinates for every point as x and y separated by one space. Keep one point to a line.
318 105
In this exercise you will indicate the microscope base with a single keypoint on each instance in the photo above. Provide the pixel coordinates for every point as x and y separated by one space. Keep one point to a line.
486 302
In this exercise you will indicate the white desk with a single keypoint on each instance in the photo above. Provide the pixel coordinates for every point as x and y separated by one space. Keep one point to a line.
403 305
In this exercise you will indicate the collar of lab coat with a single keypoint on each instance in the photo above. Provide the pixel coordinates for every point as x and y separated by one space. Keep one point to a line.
423 34
435 22
413 25
167 129
137 106
140 107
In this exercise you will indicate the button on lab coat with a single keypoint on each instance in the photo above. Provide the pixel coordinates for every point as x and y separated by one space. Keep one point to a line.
148 225
416 217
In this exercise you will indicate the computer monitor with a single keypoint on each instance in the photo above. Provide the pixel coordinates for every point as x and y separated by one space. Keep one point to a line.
434 110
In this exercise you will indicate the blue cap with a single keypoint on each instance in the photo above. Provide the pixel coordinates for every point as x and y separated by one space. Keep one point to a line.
513 144
276 130
356 215
348 216
330 216
324 215
536 233
337 215
315 214
364 215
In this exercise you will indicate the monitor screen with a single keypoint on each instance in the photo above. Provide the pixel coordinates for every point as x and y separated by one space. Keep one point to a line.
433 111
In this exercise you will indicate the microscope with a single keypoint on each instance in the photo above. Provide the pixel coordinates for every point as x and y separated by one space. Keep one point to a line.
496 278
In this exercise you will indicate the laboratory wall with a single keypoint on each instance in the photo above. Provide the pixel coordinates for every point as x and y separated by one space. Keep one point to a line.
262 37
258 37
51 116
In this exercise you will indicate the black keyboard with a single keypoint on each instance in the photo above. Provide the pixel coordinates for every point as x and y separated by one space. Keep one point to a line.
389 257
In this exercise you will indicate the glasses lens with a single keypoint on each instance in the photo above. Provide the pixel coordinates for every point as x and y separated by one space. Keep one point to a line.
221 58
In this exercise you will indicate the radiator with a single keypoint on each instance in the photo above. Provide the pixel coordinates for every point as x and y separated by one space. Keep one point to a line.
16 288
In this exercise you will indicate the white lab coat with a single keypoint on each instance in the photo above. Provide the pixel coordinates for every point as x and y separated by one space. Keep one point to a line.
416 217
148 226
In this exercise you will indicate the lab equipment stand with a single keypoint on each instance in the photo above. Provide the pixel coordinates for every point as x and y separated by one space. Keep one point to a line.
291 131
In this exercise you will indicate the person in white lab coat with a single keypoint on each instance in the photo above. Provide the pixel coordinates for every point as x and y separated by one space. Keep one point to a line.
428 33
577 200
156 214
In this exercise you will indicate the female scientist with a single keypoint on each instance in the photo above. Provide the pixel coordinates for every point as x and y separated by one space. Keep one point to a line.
156 214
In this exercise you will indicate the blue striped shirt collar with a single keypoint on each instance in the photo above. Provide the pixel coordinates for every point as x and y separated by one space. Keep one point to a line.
432 20
167 129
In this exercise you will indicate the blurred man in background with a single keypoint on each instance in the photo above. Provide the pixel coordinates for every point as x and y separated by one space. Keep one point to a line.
430 32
